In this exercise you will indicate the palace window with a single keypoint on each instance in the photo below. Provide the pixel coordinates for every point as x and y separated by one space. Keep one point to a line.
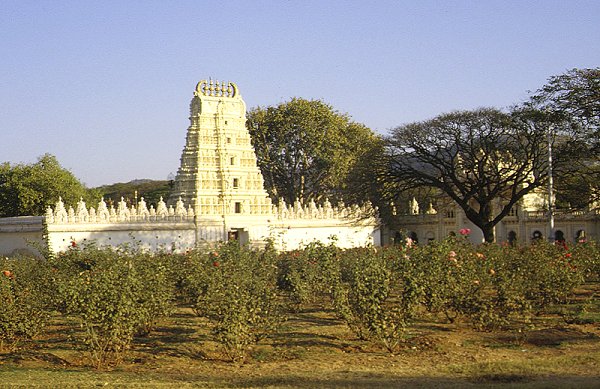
238 207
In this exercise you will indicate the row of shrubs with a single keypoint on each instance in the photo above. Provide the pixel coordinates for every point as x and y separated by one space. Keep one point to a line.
246 294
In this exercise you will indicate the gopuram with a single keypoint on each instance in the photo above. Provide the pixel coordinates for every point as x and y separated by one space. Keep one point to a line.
218 176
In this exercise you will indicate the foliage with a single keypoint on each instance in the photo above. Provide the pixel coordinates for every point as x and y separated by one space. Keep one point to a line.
150 190
156 289
306 149
573 98
30 189
113 294
491 285
378 292
24 295
572 102
585 256
309 275
236 289
183 273
474 157
366 181
375 299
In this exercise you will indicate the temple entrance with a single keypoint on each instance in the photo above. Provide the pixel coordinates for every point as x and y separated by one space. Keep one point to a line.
238 234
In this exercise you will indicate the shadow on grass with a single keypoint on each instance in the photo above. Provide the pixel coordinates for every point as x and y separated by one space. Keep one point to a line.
372 380
551 337
312 317
28 355
20 377
302 339
171 340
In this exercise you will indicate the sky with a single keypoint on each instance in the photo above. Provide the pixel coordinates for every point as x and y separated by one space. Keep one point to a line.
105 86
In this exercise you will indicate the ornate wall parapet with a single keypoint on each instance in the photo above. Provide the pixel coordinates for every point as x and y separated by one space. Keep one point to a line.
81 214
326 211
103 214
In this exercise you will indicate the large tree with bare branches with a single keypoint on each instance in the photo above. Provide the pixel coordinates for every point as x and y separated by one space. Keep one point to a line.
484 160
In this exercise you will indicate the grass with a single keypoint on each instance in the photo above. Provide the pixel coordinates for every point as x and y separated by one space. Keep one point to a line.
315 349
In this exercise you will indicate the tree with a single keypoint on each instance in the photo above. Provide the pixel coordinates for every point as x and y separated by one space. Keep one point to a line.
367 180
305 149
572 101
150 190
364 179
484 160
30 189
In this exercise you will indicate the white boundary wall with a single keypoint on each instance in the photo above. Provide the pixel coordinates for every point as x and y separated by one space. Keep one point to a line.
17 234
177 237
21 235
294 234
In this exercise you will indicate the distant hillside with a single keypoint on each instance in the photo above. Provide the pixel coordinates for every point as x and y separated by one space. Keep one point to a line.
150 190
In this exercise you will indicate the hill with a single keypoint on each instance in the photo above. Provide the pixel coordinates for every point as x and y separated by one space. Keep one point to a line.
150 190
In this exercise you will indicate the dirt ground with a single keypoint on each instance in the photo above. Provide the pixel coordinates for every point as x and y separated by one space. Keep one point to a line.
315 349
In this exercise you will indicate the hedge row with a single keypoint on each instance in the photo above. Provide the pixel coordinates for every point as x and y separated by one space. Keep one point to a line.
118 294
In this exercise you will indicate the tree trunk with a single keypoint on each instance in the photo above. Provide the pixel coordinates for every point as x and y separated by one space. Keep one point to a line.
488 234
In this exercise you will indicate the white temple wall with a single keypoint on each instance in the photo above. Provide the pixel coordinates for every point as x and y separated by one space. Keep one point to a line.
247 229
296 234
178 237
16 234
21 235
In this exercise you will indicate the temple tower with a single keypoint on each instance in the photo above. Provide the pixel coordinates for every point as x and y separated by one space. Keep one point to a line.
218 175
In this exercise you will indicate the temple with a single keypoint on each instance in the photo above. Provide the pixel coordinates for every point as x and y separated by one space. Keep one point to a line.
218 195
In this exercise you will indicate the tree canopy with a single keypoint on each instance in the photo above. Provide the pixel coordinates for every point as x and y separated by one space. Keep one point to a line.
573 99
305 149
484 160
150 190
572 102
28 189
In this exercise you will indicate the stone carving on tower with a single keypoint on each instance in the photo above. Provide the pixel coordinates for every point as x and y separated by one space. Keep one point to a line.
218 174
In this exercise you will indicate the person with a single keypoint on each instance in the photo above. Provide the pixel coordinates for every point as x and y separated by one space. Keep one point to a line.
559 239
512 238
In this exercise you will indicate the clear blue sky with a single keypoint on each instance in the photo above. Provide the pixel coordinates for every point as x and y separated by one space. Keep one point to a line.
105 85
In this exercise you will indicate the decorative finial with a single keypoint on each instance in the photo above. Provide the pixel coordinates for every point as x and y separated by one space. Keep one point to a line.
212 88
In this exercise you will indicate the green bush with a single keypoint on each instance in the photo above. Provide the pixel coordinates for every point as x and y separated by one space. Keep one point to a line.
373 299
585 256
25 300
543 274
492 285
115 295
309 275
445 283
192 277
236 289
